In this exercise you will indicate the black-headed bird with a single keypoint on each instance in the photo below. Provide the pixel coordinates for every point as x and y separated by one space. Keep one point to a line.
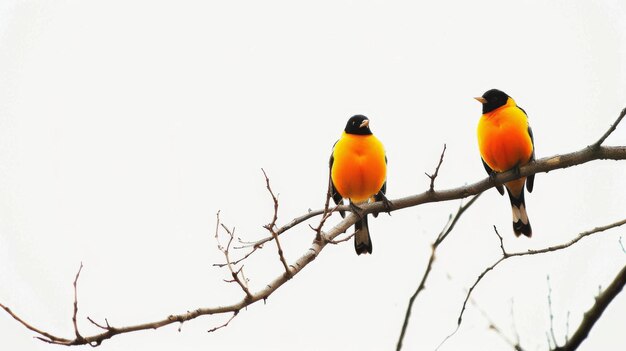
505 141
358 172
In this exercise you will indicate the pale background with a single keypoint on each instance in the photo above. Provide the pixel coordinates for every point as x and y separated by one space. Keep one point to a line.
126 125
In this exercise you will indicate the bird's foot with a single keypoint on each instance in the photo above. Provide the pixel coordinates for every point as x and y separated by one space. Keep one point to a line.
492 177
386 204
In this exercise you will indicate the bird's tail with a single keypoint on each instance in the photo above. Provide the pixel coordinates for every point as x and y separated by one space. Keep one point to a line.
362 240
521 225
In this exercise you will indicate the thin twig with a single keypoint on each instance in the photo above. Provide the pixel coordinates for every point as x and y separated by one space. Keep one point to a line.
270 227
448 229
504 253
78 336
226 251
611 129
327 212
48 337
324 212
294 222
550 311
235 262
107 327
492 325
440 238
235 313
513 325
434 175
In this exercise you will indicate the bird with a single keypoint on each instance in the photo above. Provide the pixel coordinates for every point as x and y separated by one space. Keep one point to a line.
358 172
505 142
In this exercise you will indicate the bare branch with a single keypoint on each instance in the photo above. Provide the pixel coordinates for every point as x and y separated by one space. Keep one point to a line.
440 238
543 165
448 229
327 213
78 336
611 130
107 327
235 262
294 222
47 337
535 252
513 325
593 314
504 253
226 251
434 175
550 311
235 313
324 212
270 227
492 325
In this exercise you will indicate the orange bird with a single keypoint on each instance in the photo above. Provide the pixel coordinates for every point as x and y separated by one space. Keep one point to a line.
505 141
358 172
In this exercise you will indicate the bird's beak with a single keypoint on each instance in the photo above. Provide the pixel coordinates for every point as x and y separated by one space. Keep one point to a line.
481 99
365 123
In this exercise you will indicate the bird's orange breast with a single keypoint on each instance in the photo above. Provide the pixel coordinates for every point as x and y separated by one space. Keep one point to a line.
503 138
359 169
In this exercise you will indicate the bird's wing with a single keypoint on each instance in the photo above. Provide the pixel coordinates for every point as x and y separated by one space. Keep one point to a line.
492 173
530 180
337 198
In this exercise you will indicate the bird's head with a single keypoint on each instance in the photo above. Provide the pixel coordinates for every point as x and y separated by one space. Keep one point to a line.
359 125
492 99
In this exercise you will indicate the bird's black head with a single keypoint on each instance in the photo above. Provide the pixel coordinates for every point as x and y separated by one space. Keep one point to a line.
492 99
359 125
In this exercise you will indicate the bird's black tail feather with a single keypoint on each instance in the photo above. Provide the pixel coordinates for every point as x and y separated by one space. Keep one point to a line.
362 240
521 224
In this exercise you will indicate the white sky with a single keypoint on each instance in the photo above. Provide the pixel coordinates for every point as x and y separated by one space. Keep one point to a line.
126 125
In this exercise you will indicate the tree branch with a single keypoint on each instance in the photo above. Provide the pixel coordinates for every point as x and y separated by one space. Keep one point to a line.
270 227
611 129
543 165
434 175
241 281
515 345
507 255
45 336
550 311
440 238
590 153
78 336
235 313
593 314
